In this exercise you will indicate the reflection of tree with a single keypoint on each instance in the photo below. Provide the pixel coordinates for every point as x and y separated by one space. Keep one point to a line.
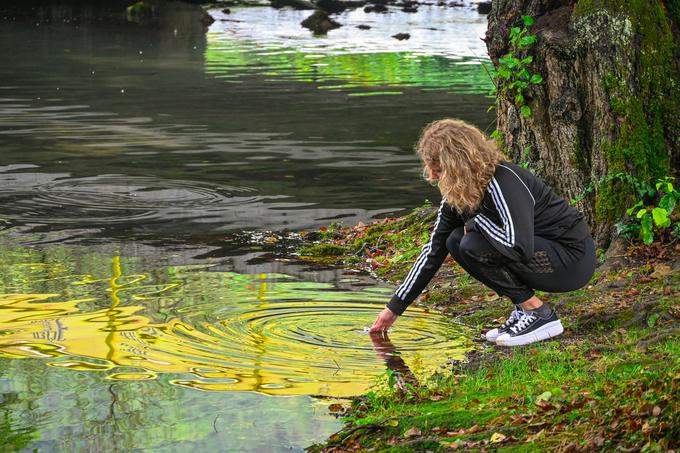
388 352
12 438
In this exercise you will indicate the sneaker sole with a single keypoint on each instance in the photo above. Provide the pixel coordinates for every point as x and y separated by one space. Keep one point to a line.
552 329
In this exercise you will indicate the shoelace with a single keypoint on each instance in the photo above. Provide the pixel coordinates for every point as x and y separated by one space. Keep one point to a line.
524 321
514 316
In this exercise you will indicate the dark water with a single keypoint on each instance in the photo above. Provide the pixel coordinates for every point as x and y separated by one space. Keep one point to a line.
140 309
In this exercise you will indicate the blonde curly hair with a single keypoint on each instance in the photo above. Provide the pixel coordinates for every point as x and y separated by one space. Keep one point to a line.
465 158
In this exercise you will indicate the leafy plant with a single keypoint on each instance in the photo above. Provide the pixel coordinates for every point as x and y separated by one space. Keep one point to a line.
513 76
659 215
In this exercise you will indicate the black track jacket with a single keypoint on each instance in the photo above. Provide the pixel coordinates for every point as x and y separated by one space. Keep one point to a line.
516 207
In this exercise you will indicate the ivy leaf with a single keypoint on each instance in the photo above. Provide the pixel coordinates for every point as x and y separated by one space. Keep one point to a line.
526 111
528 21
527 40
638 205
528 60
661 218
504 73
536 79
646 230
641 213
667 202
519 99
515 31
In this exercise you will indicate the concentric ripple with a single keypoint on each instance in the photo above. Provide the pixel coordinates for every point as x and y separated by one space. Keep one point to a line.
219 331
105 199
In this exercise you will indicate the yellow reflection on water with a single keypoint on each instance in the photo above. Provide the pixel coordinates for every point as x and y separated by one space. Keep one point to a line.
223 331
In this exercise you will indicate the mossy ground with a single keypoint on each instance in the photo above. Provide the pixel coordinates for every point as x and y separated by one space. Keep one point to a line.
610 382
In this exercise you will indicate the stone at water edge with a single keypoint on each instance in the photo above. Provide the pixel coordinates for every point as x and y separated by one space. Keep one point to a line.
320 23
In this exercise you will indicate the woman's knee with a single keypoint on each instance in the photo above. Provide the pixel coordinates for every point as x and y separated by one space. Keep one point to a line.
474 247
453 241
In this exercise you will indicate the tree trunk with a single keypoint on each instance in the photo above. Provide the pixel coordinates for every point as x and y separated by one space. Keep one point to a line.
609 103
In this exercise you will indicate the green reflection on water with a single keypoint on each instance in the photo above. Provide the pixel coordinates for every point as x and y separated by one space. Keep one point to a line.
350 72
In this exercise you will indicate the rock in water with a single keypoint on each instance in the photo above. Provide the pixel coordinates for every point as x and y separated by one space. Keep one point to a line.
331 6
297 4
375 9
401 36
484 7
364 27
320 23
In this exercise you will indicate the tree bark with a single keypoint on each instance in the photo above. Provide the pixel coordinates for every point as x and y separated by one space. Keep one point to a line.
609 102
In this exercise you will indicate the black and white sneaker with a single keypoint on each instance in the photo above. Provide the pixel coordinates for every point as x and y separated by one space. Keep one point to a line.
531 328
493 334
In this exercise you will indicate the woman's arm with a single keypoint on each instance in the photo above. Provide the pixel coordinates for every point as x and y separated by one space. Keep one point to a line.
514 237
431 258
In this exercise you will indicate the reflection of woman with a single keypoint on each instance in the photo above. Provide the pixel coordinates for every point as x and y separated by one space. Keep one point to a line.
504 226
386 351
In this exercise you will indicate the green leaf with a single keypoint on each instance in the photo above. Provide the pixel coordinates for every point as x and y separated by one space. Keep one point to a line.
519 99
528 21
515 31
646 230
526 111
638 205
504 73
667 202
653 318
491 107
545 396
527 40
660 216
524 74
536 79
641 213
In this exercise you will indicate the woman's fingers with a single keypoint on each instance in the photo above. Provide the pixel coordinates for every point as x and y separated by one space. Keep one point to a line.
384 321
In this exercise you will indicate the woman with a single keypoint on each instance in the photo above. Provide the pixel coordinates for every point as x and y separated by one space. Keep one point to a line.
504 226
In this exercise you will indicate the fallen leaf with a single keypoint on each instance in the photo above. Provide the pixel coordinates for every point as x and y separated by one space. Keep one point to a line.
497 438
436 398
545 396
336 407
661 271
413 432
393 422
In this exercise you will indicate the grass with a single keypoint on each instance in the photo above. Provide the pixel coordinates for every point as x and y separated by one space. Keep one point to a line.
610 383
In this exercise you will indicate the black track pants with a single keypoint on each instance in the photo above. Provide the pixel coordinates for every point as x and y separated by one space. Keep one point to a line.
554 267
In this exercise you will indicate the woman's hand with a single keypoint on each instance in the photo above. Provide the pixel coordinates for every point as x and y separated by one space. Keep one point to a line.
384 321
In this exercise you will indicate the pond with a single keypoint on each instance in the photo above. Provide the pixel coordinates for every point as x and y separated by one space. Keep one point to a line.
149 299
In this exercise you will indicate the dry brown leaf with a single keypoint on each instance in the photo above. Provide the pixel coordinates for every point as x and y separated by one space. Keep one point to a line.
661 271
413 432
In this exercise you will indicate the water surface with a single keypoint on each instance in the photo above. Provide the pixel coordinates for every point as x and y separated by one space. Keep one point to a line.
143 303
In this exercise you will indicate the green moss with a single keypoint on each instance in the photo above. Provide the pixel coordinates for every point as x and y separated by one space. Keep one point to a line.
648 117
324 250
